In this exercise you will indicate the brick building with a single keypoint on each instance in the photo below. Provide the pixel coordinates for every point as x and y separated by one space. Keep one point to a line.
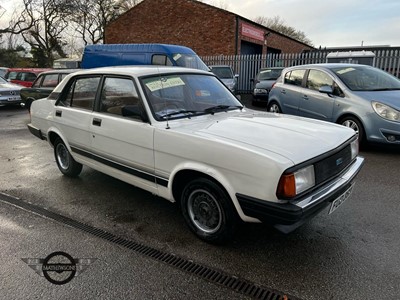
206 29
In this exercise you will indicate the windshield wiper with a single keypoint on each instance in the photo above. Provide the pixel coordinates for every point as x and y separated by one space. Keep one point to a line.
384 89
216 108
178 112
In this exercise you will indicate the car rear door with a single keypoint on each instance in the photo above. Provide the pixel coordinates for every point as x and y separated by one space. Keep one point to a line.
313 103
73 112
121 141
290 92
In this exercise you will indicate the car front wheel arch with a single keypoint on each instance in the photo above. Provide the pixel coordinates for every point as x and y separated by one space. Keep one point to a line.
206 206
354 123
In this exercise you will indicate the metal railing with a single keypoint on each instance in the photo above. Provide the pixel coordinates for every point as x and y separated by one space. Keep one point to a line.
247 66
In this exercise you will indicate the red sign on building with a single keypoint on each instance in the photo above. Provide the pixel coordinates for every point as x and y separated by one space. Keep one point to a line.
252 32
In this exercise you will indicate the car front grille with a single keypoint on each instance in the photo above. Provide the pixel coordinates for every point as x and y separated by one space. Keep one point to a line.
332 165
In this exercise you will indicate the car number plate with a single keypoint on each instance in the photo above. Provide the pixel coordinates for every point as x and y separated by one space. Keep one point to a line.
339 200
13 99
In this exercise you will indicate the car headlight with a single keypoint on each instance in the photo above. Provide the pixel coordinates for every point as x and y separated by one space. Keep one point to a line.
260 91
386 111
293 184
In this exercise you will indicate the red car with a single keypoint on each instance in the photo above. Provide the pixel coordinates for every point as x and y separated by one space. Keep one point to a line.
23 76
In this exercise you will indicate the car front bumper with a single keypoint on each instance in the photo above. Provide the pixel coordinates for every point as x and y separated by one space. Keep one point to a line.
288 216
379 130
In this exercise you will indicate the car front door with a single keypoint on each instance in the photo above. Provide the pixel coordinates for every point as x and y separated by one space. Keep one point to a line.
123 141
313 103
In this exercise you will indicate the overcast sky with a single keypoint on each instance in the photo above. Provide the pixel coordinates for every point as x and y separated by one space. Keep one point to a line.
326 23
330 23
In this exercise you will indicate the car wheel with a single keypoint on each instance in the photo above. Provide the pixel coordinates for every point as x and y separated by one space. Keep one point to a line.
354 124
65 162
28 104
208 211
274 108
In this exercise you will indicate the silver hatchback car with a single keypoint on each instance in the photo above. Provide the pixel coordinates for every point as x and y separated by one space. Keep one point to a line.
364 98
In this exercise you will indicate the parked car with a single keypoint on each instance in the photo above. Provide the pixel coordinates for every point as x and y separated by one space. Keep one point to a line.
227 76
9 93
262 84
3 71
358 96
181 134
23 76
43 86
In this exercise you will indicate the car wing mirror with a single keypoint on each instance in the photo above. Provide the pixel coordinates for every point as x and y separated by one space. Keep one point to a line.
326 89
134 111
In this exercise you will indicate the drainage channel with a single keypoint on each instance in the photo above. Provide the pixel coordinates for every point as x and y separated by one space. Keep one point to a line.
215 276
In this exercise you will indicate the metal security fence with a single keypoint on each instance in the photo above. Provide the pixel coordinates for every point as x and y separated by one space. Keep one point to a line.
247 66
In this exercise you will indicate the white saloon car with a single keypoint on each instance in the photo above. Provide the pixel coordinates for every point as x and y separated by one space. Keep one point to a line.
180 134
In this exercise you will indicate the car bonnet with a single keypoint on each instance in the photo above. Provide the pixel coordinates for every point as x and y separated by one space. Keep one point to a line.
297 139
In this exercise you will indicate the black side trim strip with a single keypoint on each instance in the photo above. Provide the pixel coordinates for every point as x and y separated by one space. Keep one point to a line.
126 169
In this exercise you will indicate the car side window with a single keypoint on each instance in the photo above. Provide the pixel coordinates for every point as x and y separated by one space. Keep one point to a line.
317 79
37 82
26 76
295 77
50 80
82 93
118 95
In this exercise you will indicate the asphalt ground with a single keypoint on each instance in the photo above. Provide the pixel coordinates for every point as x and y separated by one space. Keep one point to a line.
352 253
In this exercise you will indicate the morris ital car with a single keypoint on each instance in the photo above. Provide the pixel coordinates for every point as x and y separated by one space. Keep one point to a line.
182 135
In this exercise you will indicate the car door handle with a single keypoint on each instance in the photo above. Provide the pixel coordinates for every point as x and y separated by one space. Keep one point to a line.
283 91
305 97
96 122
58 113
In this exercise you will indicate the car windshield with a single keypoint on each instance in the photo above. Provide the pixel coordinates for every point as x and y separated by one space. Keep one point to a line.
3 81
222 72
186 95
364 78
269 74
189 61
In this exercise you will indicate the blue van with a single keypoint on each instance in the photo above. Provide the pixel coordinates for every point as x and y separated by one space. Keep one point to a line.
140 54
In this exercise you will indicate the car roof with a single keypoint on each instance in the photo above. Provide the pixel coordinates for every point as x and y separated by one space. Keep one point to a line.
136 71
140 70
60 71
330 66
32 70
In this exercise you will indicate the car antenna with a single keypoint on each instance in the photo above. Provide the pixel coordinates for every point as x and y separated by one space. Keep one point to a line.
161 92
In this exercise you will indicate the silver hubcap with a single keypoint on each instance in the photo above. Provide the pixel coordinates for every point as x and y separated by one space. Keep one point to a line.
274 108
351 124
204 211
62 156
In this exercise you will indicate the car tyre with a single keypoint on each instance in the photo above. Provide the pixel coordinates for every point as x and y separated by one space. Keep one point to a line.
65 162
274 107
356 125
208 211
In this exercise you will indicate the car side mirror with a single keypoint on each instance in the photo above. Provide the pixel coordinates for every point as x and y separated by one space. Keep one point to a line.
134 111
252 80
326 89
236 75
